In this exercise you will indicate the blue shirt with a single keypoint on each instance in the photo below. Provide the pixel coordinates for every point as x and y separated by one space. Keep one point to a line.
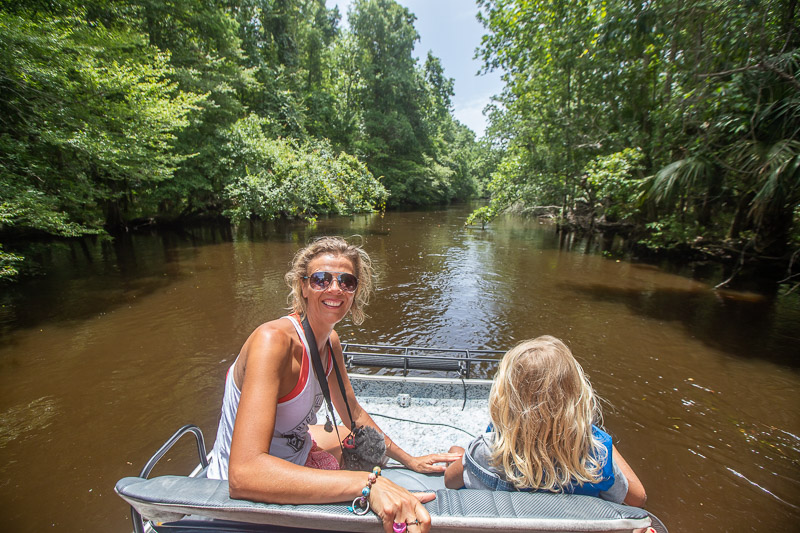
479 474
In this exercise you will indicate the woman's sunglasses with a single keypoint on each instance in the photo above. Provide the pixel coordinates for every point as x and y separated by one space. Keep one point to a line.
320 281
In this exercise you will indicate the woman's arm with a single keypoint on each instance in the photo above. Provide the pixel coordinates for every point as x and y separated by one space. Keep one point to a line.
256 475
253 473
425 464
636 495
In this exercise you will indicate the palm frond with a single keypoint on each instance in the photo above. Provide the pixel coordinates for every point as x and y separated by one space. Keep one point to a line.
679 176
784 113
779 177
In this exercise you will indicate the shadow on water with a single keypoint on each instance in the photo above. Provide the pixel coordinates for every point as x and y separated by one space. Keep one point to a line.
85 277
748 325
81 278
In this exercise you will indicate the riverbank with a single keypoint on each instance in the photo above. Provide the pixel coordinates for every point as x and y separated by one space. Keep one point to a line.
735 262
742 265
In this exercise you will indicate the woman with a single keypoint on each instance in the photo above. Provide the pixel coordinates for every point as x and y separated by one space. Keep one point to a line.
267 444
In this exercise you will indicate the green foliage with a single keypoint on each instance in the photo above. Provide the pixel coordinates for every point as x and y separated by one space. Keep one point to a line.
90 116
36 211
92 113
281 177
484 215
707 90
114 112
8 265
409 136
612 184
670 232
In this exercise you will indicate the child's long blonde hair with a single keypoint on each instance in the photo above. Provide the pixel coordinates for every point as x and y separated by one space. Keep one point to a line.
542 407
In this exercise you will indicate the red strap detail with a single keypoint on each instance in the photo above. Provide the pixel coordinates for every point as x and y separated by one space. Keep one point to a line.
330 359
301 380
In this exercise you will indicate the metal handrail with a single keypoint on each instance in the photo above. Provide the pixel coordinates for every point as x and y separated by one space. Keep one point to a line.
201 448
346 346
138 521
382 353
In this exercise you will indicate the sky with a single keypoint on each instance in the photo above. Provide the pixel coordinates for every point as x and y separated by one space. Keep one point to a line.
449 29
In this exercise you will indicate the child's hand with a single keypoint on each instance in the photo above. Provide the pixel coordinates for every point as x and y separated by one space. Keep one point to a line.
454 475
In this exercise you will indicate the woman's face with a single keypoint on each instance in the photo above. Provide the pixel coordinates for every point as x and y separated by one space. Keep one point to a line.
332 304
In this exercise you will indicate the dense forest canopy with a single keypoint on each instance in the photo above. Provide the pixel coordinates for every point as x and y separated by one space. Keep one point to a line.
118 112
679 119
676 122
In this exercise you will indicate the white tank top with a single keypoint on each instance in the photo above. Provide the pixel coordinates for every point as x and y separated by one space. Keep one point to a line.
296 411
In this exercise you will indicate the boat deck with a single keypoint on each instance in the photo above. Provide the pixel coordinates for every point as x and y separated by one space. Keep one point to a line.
424 415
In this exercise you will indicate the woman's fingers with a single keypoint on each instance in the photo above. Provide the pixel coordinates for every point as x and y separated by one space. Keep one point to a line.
427 464
445 457
395 505
424 497
422 515
421 522
386 510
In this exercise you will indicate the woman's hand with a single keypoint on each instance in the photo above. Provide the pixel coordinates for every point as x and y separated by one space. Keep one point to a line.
427 464
392 503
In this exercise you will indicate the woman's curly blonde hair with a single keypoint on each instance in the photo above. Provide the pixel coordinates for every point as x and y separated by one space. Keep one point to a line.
542 407
337 247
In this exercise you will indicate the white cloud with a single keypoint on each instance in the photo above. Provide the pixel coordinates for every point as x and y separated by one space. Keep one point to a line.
470 113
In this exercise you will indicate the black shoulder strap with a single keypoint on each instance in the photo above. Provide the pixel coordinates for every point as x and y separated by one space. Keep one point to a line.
316 361
341 387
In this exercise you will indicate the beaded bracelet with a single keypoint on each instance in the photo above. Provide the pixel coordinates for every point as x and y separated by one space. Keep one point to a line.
361 503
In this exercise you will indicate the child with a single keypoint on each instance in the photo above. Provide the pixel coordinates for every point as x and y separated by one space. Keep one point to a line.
542 408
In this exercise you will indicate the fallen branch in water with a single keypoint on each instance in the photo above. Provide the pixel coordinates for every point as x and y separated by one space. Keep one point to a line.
737 268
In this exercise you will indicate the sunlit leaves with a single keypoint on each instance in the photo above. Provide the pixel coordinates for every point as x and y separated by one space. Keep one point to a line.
282 177
87 101
707 91
117 112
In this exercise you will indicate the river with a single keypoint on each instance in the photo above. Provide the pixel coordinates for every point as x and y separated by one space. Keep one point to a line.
117 345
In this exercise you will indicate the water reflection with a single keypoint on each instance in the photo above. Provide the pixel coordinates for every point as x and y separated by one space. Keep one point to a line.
753 327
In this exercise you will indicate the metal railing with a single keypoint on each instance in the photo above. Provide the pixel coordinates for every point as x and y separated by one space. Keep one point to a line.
138 521
410 358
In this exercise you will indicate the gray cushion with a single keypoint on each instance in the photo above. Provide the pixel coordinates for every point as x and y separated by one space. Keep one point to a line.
414 481
168 498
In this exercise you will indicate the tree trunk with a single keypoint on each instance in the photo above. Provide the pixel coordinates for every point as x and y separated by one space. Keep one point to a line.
740 216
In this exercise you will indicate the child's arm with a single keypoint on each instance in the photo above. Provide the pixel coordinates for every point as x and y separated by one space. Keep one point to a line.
454 475
636 495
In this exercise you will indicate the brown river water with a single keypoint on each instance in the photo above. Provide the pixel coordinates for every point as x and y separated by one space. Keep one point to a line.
118 345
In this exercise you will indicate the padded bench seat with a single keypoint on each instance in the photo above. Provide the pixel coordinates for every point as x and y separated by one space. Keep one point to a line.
171 498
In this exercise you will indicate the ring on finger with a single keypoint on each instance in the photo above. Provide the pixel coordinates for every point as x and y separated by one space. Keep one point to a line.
401 527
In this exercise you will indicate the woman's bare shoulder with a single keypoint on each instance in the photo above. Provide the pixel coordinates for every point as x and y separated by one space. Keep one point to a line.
335 341
275 330
274 341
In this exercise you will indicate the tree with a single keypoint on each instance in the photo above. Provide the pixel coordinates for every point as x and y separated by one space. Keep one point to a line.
283 177
706 91
394 139
204 47
89 121
119 113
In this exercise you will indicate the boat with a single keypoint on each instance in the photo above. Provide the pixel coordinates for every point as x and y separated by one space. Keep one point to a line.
427 399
